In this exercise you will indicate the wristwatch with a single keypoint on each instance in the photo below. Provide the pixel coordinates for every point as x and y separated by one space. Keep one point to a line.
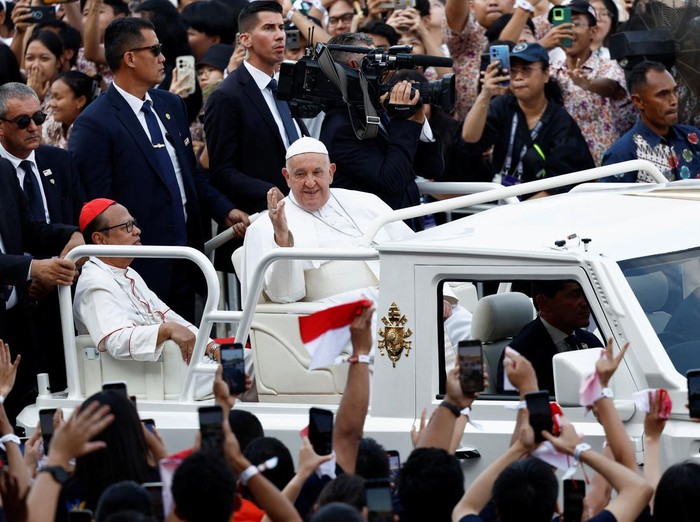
59 474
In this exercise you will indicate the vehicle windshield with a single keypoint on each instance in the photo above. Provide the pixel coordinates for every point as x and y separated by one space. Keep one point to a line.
668 289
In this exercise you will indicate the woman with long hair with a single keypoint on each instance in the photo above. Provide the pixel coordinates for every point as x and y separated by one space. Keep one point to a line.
70 93
43 59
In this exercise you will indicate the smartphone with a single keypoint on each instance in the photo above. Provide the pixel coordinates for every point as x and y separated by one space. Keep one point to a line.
119 386
397 4
155 491
321 430
379 503
694 393
562 15
291 40
501 53
46 424
540 413
232 361
574 491
185 69
51 2
394 464
42 14
471 366
80 515
150 425
210 419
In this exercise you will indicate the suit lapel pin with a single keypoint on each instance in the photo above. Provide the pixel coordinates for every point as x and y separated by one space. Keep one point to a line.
47 172
167 115
187 142
52 181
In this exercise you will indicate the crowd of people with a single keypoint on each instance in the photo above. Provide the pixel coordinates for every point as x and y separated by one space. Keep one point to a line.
141 122
101 461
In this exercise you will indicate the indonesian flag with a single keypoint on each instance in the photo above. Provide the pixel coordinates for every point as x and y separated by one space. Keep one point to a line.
327 332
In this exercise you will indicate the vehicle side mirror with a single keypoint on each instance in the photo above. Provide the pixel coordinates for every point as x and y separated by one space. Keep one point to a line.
570 369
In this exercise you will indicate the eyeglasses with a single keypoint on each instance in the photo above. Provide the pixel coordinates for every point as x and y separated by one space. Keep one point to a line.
155 49
335 20
523 70
23 121
579 25
129 225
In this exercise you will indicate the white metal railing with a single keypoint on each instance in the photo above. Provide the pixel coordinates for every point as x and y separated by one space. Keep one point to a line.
501 193
251 299
146 251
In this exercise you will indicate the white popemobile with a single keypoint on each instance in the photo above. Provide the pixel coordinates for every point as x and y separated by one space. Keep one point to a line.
634 249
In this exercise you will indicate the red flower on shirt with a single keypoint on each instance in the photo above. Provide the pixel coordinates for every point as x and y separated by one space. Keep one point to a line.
673 161
693 138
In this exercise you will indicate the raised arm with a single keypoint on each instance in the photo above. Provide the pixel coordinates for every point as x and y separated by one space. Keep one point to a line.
352 411
456 14
475 122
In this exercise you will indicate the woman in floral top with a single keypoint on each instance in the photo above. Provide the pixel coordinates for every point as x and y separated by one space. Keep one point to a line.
70 94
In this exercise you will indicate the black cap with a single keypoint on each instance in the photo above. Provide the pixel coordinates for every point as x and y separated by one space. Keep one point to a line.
217 56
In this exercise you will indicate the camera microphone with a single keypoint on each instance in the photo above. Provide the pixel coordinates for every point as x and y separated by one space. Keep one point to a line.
404 60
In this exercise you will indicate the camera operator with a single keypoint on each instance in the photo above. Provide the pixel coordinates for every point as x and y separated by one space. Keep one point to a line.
403 148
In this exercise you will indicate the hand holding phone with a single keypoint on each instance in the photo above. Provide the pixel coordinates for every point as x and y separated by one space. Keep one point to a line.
46 424
233 366
186 75
321 430
379 503
540 413
471 366
560 16
501 54
210 426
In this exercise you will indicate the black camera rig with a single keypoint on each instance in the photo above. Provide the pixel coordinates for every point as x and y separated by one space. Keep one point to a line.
318 83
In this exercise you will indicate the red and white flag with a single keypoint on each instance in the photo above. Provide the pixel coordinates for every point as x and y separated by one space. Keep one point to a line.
327 332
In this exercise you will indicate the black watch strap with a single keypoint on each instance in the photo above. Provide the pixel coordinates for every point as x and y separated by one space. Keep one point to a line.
59 474
454 409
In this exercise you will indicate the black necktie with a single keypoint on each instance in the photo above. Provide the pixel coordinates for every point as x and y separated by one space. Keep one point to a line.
36 204
285 114
572 342
168 171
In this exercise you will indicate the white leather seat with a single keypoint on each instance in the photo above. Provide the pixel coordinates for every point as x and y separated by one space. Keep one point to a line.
497 319
157 380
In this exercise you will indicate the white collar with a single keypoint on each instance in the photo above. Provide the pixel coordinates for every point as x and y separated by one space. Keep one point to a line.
261 78
555 333
135 103
15 160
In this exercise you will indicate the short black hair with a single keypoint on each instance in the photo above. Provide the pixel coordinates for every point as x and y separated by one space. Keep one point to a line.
348 489
245 426
203 488
549 288
69 35
337 512
493 33
637 77
526 486
249 14
119 7
381 29
372 461
430 484
121 35
211 18
264 448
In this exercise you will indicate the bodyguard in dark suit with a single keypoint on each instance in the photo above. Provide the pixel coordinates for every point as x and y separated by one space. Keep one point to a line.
133 145
247 129
563 315
53 191
19 234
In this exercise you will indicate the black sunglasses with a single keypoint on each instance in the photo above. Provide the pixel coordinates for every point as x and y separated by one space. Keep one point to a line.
155 49
23 121
129 226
